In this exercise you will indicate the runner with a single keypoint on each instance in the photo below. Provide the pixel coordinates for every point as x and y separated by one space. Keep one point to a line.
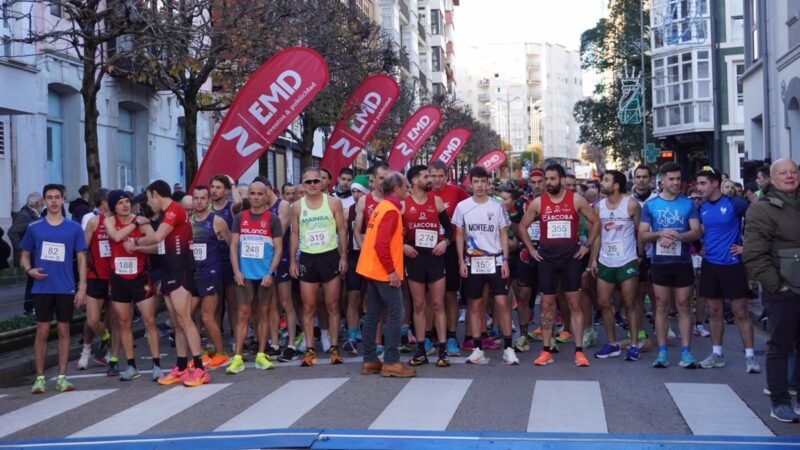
174 237
559 255
643 192
98 272
722 274
451 195
354 282
220 187
615 261
527 276
256 248
130 280
283 294
342 190
427 234
482 245
670 221
48 248
289 192
318 228
208 232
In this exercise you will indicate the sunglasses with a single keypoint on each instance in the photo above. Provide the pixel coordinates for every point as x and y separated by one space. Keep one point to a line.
709 169
314 181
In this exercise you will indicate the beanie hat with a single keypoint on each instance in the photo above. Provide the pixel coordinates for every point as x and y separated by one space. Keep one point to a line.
115 196
361 183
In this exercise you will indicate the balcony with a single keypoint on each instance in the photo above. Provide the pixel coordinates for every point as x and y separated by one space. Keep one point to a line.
404 62
404 10
421 28
485 111
483 83
484 98
423 81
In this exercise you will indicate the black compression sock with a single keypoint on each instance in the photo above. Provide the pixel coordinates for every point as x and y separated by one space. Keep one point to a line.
506 342
157 362
198 362
421 346
429 335
578 349
132 363
451 334
182 363
476 342
442 350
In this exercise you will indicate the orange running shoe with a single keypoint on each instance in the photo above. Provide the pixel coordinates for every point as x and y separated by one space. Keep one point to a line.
580 360
536 335
309 358
563 337
197 377
544 359
336 357
206 358
219 360
174 377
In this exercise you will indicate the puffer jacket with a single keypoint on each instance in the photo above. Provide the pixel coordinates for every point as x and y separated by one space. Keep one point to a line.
772 224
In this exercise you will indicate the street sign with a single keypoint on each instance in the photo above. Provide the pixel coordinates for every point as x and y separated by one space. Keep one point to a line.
649 153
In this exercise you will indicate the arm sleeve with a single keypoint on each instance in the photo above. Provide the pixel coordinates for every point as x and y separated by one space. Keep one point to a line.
757 254
444 221
275 225
384 239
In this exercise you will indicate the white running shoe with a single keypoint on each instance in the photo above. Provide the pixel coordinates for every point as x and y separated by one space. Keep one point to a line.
476 357
462 315
83 361
509 357
326 342
700 330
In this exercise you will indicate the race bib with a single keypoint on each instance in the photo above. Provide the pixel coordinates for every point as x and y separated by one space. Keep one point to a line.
534 232
126 266
671 249
559 229
483 265
317 238
425 238
199 251
162 248
53 251
612 249
105 249
253 248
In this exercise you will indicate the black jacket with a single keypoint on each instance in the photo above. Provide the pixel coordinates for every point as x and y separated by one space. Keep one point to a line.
25 216
78 208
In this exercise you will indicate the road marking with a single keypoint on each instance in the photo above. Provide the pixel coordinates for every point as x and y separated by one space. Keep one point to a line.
3 395
567 407
406 412
284 406
47 409
151 412
715 410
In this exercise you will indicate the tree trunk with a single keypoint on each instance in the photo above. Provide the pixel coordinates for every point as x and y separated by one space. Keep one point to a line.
190 111
307 142
89 94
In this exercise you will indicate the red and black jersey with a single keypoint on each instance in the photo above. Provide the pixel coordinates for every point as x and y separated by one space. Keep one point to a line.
559 226
425 218
99 263
178 253
125 264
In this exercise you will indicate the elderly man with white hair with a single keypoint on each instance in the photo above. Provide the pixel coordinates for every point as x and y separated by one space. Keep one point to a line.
772 257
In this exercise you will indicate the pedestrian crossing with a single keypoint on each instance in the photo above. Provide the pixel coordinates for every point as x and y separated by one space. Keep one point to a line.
417 404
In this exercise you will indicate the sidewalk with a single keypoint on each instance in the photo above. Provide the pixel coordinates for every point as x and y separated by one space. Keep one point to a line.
11 301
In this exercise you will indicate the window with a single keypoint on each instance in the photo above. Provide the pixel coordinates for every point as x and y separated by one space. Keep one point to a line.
438 89
739 85
737 21
179 153
678 82
436 22
55 143
296 170
436 59
55 9
2 139
125 146
754 42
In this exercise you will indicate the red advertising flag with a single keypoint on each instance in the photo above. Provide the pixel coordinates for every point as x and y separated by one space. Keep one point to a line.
450 145
415 132
366 108
267 104
490 161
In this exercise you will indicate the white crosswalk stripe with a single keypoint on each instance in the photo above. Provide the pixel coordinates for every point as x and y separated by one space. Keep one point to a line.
296 398
715 410
151 412
405 413
46 409
567 407
430 404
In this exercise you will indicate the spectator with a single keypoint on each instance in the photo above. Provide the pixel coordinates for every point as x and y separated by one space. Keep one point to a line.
30 212
772 257
738 189
5 251
751 192
80 206
762 180
177 187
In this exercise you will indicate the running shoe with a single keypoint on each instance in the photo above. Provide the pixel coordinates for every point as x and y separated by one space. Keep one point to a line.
197 377
645 345
157 373
429 349
751 365
335 356
661 361
580 360
62 385
564 337
273 352
462 315
467 345
609 351
554 346
544 359
175 376
262 362
784 413
490 344
536 335
476 357
112 371
419 359
589 337
102 359
326 343
219 360
129 374
632 354
288 354
510 357
309 358
405 348
687 361
522 345
700 330
671 334
712 361
39 385
83 361
452 348
443 362
298 340
350 346
236 365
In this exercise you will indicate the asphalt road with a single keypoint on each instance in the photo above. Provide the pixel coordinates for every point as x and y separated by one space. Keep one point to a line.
611 396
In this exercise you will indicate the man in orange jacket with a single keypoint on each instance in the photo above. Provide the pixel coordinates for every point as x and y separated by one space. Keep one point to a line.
381 263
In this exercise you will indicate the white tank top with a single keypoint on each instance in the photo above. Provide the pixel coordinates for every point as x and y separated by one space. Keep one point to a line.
617 233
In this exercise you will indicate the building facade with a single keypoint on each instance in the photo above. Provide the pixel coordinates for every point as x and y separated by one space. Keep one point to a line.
696 61
771 79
